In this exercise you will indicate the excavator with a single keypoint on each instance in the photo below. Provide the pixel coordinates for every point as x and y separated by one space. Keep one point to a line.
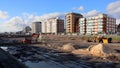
31 39
100 39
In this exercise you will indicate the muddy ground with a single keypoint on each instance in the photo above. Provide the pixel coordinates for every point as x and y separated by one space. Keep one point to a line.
50 50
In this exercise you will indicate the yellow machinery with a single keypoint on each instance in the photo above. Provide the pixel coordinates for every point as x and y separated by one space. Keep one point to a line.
101 39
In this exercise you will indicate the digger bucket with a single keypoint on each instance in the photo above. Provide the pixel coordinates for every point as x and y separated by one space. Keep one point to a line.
105 40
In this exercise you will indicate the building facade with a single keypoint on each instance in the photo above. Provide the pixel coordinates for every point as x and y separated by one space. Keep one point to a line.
82 24
98 25
72 22
36 27
53 25
118 29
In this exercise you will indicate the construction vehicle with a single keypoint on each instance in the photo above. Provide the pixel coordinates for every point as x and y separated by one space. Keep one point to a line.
100 39
33 38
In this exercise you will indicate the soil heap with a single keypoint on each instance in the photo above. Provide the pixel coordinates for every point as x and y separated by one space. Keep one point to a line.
100 50
68 47
96 50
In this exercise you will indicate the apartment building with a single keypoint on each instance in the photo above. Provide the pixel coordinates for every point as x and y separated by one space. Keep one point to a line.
72 22
82 24
53 25
36 27
98 24
118 29
111 25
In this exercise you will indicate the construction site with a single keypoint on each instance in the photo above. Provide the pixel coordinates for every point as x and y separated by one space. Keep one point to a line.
57 51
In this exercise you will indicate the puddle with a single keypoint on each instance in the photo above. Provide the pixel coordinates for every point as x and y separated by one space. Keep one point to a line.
43 65
4 48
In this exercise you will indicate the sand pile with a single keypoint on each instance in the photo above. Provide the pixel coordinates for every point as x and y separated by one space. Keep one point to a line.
68 47
100 50
81 52
96 50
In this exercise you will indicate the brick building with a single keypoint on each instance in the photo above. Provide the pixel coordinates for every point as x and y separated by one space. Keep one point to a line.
72 22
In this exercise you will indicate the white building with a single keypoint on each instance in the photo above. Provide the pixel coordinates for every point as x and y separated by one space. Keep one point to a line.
82 24
101 23
36 27
53 25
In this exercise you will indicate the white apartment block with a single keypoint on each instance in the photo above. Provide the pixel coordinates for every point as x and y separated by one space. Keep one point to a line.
98 24
53 25
82 24
36 27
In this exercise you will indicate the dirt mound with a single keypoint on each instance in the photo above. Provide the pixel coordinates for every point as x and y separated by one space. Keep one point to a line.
100 50
68 47
81 51
96 50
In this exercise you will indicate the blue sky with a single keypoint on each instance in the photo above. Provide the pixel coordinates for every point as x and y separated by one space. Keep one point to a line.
14 12
16 7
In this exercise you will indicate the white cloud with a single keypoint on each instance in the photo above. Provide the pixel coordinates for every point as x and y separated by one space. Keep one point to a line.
52 15
91 13
81 8
3 14
113 9
18 23
34 18
118 21
14 24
